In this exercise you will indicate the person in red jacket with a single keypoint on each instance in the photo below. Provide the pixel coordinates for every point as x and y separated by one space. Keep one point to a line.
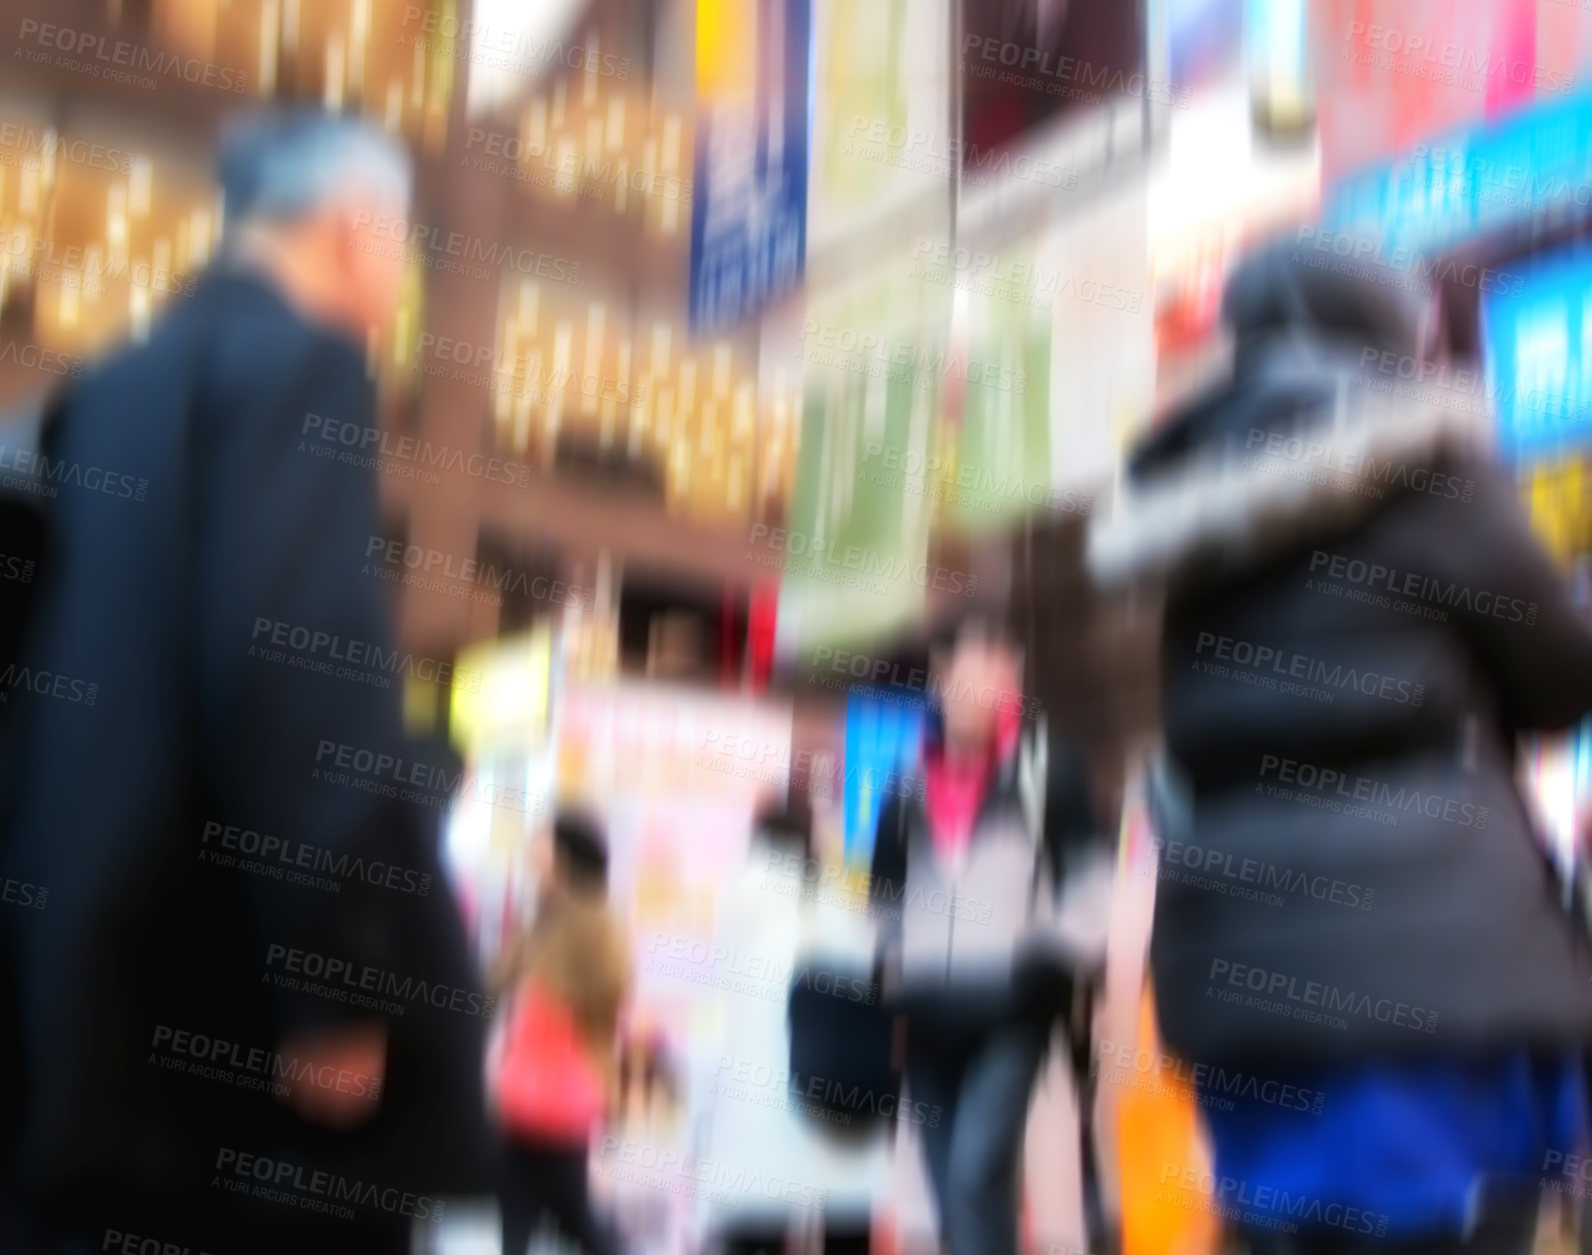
564 983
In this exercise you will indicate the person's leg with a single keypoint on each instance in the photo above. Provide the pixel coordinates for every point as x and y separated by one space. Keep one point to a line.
934 1070
521 1198
1269 1242
849 1239
1102 1235
1510 1232
980 1211
567 1173
374 1237
1506 1234
753 1241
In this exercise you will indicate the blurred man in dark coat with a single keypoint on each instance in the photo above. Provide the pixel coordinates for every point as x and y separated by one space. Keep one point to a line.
245 1016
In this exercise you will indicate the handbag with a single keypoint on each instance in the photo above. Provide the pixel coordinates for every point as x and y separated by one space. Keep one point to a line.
548 1086
842 1066
1161 1125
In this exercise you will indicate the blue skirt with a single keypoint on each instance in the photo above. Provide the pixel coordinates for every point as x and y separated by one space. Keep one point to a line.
1398 1149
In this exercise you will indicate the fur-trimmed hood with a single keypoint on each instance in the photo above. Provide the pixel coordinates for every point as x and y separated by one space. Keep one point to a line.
1236 502
1299 440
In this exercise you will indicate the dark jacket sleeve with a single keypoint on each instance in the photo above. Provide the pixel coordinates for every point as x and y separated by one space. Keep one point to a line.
300 683
1081 865
1513 605
887 874
1074 829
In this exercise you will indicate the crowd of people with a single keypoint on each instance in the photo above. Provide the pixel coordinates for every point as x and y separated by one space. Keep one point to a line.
1446 1026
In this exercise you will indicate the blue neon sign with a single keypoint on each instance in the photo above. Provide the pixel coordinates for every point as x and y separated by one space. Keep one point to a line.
1472 180
1538 346
883 732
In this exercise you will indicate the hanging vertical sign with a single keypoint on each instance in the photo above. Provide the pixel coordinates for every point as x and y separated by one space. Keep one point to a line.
1456 186
749 201
1538 350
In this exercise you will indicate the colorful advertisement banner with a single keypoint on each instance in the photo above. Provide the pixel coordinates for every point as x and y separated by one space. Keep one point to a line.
618 741
502 692
749 208
853 557
1389 74
1001 358
1454 186
882 737
883 154
1026 64
1538 347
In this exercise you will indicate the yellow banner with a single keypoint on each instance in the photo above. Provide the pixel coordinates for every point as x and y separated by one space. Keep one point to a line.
500 693
726 48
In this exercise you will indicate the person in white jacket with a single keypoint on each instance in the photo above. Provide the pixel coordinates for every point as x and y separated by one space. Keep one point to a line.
780 1163
992 885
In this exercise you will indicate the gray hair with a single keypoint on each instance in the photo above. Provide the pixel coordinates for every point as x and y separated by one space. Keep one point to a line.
281 165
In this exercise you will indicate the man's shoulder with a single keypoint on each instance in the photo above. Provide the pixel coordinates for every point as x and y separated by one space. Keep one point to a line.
260 344
149 365
231 331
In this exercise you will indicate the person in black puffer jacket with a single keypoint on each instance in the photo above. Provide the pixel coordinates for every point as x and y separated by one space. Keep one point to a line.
1358 941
